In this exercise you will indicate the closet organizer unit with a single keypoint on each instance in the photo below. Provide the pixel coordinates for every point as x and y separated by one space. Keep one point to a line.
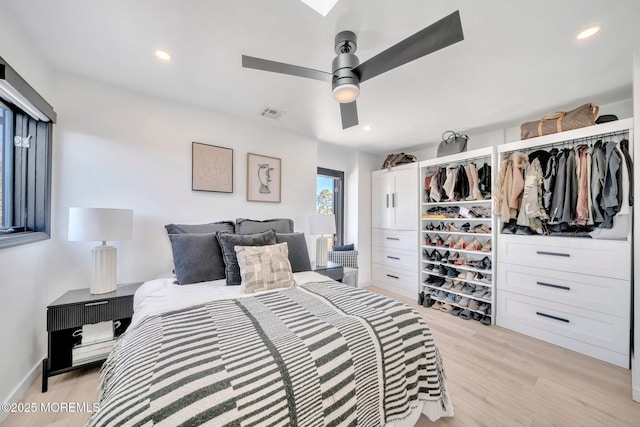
574 292
456 235
395 228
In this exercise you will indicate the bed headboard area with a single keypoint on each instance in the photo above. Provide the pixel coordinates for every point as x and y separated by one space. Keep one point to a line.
207 252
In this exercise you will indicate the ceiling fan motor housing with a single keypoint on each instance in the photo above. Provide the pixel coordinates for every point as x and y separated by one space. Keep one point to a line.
346 61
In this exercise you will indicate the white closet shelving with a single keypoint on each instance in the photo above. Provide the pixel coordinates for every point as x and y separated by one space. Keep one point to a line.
444 220
574 292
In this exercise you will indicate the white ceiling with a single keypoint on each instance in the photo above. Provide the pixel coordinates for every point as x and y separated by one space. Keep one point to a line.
519 59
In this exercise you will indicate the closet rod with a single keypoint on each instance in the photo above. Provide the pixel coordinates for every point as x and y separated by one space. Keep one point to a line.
571 142
486 158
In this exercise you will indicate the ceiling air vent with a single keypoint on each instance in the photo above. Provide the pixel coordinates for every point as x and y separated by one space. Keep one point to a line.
272 113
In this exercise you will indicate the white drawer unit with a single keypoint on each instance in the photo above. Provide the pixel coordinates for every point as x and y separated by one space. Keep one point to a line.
398 280
604 258
394 239
600 335
395 258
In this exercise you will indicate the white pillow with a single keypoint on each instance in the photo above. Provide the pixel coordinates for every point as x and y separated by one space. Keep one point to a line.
264 267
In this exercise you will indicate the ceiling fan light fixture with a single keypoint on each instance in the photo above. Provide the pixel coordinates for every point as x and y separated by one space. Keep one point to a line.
346 93
589 32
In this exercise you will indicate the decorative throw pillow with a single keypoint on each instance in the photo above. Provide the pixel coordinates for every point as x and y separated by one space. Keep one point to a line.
264 267
197 258
228 241
251 226
211 227
298 252
348 247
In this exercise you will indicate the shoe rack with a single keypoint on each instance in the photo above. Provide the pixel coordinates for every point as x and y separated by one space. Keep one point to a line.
457 265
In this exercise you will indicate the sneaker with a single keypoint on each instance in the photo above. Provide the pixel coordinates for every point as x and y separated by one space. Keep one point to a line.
442 270
457 286
441 295
483 307
473 304
480 290
436 305
464 302
446 308
465 314
451 298
487 296
468 289
486 320
477 316
452 272
456 311
448 284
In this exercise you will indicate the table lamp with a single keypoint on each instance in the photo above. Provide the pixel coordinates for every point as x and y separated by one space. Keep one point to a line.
320 225
100 224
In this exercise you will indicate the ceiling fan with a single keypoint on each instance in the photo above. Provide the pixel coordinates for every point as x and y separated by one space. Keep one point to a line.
348 73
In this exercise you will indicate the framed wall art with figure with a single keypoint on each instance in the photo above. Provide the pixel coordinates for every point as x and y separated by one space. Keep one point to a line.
264 178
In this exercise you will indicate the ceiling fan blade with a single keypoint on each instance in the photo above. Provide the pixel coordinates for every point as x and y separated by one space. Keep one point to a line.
282 68
349 113
436 36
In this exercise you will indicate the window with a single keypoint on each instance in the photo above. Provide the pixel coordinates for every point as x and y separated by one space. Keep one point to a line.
26 122
330 198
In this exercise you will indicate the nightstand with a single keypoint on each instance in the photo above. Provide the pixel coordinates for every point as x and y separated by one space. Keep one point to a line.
331 270
67 315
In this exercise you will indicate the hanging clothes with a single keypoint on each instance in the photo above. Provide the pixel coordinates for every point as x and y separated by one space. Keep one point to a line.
611 190
582 208
550 169
484 180
624 148
532 212
557 203
598 167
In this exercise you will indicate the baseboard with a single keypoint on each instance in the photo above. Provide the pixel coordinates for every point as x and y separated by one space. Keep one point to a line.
22 388
364 284
635 394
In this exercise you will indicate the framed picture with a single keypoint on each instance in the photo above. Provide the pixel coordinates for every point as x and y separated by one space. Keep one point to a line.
212 168
263 178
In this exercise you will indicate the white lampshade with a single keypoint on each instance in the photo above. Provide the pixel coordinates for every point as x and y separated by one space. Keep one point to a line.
346 93
322 224
100 224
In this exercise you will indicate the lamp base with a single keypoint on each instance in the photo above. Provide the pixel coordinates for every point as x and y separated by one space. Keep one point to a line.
104 269
322 246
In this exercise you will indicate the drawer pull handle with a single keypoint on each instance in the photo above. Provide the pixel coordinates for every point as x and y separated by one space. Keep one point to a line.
566 288
393 238
553 253
392 276
387 199
393 257
96 303
552 317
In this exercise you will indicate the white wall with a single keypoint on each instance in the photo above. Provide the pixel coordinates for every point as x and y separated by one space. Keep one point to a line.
23 288
635 351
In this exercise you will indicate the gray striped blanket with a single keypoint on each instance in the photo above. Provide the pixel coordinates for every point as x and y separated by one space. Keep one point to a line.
321 354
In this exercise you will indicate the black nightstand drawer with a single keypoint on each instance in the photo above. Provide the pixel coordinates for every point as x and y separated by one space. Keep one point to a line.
75 315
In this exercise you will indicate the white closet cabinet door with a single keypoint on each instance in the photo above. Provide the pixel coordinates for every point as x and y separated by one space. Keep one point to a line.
381 189
405 200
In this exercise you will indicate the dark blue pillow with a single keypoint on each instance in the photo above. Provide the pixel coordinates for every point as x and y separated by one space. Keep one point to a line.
211 227
197 258
298 252
349 247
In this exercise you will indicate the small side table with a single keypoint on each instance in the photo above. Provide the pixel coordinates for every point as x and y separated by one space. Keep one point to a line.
331 270
74 309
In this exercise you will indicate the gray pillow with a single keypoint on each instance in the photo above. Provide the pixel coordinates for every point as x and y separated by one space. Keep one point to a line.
211 227
349 247
197 258
229 241
298 252
252 226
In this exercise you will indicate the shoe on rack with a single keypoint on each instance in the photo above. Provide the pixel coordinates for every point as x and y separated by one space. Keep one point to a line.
480 290
460 243
465 227
479 277
452 272
487 246
464 302
446 308
439 281
437 305
483 307
473 304
486 320
441 295
420 298
449 242
437 241
468 275
488 295
460 260
469 289
477 316
448 284
452 227
456 311
452 258
442 270
465 314
451 298
457 286
474 245
436 256
485 263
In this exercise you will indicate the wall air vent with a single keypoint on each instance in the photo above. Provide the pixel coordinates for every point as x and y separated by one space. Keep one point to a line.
272 113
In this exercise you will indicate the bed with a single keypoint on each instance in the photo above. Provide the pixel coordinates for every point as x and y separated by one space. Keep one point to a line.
318 353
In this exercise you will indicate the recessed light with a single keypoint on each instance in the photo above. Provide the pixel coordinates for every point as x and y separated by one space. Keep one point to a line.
366 128
163 54
588 33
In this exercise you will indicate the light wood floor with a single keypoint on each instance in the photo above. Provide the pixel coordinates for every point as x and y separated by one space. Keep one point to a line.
495 377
